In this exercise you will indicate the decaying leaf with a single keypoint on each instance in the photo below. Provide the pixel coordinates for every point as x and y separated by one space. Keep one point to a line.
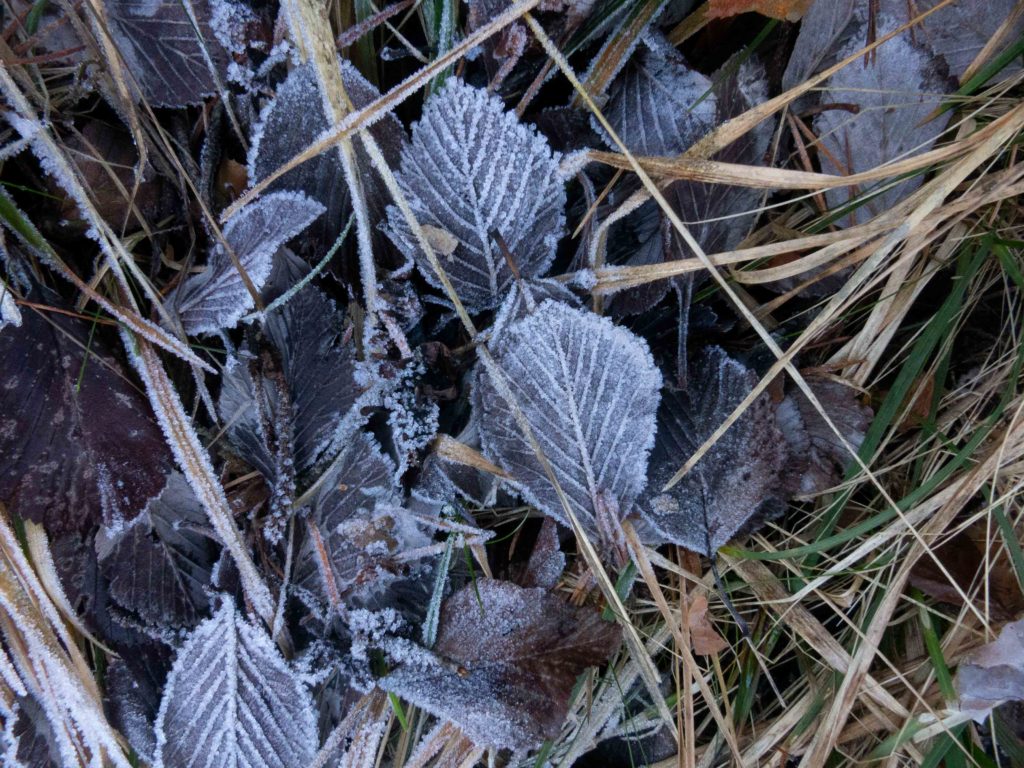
818 456
301 383
174 62
589 390
784 10
660 106
359 524
159 566
474 171
546 563
735 482
231 701
705 640
217 298
505 662
993 673
77 439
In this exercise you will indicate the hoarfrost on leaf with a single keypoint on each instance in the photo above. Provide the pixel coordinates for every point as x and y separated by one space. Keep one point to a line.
589 391
231 701
474 171
160 566
505 662
729 487
217 298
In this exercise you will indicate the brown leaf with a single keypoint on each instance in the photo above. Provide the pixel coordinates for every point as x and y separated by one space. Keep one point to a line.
703 637
784 10
505 662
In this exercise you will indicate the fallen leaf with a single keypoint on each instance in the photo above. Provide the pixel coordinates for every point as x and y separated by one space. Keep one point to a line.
705 640
993 673
784 10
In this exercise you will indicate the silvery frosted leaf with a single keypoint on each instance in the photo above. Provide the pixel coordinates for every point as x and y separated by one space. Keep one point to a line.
131 699
813 445
231 701
217 298
293 120
822 27
441 480
357 537
894 94
660 106
726 492
993 673
161 49
546 563
505 662
959 31
472 170
77 440
159 566
589 390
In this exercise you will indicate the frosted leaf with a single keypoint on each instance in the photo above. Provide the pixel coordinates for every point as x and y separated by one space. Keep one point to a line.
9 312
820 30
813 445
317 364
131 700
162 51
217 298
993 673
505 662
959 31
78 441
894 94
474 171
158 567
442 480
293 121
589 391
658 105
524 297
546 563
718 216
359 480
232 701
726 492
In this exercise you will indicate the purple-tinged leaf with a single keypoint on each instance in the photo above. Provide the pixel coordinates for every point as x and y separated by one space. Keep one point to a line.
815 449
505 662
174 66
231 701
77 441
159 566
217 298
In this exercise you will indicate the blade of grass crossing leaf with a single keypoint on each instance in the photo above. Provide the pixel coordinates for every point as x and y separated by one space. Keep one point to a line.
437 595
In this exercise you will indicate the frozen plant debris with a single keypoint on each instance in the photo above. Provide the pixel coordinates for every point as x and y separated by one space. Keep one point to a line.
218 297
505 662
993 673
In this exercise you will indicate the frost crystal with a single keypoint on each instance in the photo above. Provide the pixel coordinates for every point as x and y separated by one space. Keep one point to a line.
589 391
474 172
